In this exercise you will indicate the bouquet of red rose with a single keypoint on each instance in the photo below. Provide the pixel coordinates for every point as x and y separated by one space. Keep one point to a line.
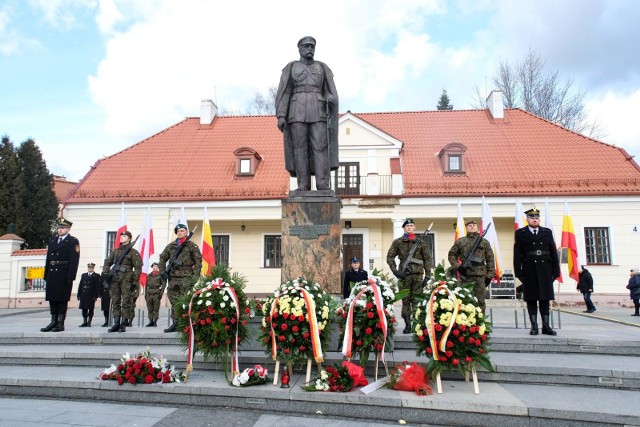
332 378
450 327
251 376
366 319
296 322
142 369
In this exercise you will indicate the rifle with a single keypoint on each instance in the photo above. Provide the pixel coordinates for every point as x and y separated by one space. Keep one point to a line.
116 267
470 258
412 251
174 261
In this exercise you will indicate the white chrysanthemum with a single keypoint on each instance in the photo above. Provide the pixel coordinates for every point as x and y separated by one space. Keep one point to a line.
199 302
225 298
222 305
445 318
208 303
324 375
208 294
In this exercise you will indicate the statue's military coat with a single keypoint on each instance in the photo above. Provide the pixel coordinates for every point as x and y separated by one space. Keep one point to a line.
61 267
536 272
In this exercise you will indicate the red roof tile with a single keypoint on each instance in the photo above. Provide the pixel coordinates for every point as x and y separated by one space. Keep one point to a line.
29 252
520 154
62 188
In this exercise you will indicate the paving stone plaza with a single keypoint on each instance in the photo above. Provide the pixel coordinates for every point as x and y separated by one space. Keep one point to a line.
589 374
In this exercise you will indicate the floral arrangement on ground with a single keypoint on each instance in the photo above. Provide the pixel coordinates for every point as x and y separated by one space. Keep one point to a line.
450 327
251 376
142 369
297 321
334 378
366 318
213 315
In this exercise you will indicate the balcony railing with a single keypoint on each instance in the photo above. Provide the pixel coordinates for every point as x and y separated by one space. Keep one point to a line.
368 185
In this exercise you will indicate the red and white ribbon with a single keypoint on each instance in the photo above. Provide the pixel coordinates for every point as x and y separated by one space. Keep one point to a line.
431 322
378 301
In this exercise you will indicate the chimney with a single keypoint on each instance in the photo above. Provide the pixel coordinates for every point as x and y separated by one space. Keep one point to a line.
495 104
208 111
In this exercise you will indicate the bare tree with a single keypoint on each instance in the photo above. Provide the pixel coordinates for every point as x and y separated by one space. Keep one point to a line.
529 85
264 104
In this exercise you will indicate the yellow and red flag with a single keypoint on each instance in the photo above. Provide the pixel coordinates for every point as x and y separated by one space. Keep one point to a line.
461 230
208 254
569 242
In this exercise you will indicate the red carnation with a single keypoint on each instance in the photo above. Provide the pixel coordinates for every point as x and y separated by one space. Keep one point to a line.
120 379
275 314
369 306
461 339
429 350
302 348
358 342
379 325
292 340
284 326
233 320
227 327
421 338
287 351
292 317
214 344
481 351
132 379
105 377
223 320
472 340
449 344
295 328
281 338
455 332
438 327
266 339
368 331
370 314
211 310
462 328
148 379
484 337
305 335
120 367
378 347
443 359
247 310
449 353
468 359
472 329
455 362
208 319
244 323
159 375
301 318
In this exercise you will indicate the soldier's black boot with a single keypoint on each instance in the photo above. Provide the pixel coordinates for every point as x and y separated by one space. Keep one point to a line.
116 325
172 328
90 318
123 325
546 328
50 326
106 321
534 324
59 324
155 323
84 323
407 327
149 324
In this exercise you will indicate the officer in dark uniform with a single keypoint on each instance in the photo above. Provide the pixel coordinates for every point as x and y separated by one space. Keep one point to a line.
88 293
355 274
418 265
188 265
61 267
536 264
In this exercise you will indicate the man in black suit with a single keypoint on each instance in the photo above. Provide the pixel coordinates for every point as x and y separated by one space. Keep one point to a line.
536 264
61 266
88 292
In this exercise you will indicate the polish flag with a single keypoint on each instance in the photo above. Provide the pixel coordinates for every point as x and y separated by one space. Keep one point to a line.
461 230
122 227
146 247
520 220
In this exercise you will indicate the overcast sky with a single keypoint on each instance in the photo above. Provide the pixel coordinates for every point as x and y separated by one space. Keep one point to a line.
87 78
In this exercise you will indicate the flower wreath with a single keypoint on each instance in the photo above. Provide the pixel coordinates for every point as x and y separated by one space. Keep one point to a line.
142 369
366 319
297 322
213 318
450 327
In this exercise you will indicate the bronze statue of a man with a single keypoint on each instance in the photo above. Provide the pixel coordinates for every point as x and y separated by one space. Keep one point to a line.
307 110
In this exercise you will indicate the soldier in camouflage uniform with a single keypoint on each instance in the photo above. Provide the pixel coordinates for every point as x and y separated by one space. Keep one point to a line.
419 264
135 293
124 282
153 294
188 264
482 267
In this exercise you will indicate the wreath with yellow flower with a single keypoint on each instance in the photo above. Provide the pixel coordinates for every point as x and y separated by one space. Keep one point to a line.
450 327
297 322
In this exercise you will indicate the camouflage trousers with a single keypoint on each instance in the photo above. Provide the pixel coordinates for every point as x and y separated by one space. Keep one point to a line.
120 293
153 304
178 286
479 290
412 282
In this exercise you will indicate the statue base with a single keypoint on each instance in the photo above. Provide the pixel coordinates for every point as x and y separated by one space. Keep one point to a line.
311 239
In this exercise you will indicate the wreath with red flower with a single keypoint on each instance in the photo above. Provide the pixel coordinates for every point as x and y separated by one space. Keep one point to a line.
366 318
297 322
450 327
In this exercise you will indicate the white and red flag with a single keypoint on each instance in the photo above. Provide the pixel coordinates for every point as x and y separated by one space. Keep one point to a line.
520 216
491 236
146 247
461 230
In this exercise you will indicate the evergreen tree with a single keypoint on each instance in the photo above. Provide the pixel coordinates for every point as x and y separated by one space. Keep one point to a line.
39 204
10 185
444 103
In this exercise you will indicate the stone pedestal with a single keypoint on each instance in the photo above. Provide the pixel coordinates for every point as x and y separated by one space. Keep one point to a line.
311 240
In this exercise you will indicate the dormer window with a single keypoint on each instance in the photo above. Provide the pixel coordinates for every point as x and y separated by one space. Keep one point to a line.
247 160
452 159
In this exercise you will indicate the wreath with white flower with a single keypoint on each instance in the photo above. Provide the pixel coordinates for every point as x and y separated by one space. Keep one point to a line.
297 322
450 327
213 318
366 319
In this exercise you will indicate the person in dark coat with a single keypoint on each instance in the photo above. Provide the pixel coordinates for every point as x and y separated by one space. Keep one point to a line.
634 289
536 264
354 274
88 293
61 267
585 286
105 303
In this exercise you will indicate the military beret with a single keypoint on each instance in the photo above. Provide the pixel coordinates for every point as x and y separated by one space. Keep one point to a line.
533 213
306 40
64 223
179 226
127 233
407 221
471 221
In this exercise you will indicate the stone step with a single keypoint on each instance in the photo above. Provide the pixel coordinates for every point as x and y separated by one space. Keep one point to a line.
497 404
